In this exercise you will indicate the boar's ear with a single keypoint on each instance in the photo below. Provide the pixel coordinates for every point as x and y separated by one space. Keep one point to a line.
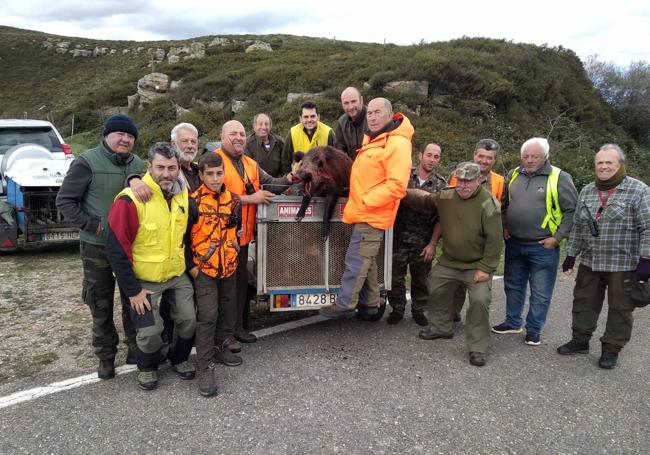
298 156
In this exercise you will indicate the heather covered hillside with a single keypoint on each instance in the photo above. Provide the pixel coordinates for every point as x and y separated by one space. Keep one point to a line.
454 92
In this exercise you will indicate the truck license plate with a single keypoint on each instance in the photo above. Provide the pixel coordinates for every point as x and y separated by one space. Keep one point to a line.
312 300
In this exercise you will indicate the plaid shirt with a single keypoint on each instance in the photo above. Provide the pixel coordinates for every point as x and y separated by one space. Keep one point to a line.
624 227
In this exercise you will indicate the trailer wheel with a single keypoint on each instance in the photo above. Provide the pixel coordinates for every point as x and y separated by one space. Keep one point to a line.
361 314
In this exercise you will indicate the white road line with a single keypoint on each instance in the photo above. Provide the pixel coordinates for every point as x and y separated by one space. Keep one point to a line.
55 387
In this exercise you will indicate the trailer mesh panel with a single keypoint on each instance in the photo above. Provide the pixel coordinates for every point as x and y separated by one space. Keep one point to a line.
305 267
294 255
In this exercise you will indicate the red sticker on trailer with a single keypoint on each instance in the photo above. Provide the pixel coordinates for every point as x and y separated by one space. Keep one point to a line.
290 210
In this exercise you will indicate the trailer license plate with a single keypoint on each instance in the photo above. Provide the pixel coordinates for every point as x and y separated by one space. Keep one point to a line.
312 300
74 235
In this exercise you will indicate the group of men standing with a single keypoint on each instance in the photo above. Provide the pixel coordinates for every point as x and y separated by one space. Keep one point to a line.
532 209
145 236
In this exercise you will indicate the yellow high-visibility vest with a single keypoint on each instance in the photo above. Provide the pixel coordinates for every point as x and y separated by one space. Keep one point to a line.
553 216
158 249
301 143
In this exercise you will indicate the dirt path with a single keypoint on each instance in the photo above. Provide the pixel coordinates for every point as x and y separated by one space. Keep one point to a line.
44 326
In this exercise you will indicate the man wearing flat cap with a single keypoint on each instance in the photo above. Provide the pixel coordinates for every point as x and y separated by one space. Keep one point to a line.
86 195
470 256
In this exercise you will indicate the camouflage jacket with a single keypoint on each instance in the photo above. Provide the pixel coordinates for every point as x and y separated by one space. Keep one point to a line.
415 227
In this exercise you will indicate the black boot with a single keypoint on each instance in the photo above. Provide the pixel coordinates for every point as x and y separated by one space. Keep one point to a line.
106 369
132 354
608 360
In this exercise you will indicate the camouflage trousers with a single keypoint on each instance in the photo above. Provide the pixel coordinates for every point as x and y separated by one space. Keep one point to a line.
407 256
98 292
588 297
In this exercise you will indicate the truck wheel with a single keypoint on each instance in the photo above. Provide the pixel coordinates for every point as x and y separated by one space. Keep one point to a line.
361 313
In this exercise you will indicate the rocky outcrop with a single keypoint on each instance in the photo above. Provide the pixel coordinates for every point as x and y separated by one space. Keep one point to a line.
194 50
180 110
291 97
151 87
237 105
443 101
259 46
132 100
79 49
157 54
414 87
81 53
218 41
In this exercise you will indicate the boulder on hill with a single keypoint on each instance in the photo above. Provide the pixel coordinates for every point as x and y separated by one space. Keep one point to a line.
415 87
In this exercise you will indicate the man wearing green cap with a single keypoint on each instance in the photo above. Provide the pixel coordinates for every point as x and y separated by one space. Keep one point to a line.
86 195
469 257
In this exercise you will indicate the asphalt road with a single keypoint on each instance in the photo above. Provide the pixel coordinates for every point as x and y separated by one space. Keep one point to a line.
358 387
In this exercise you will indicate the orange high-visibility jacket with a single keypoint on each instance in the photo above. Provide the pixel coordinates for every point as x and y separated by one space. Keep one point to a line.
380 175
214 235
236 184
496 184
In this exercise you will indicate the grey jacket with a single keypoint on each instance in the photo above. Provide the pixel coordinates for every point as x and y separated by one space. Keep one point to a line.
524 205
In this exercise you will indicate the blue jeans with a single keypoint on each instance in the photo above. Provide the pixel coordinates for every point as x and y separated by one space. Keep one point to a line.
526 264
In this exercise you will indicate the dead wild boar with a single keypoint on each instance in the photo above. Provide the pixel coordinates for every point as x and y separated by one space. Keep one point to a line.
324 171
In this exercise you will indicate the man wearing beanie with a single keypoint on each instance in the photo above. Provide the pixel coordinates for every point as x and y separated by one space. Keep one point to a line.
469 256
611 234
85 197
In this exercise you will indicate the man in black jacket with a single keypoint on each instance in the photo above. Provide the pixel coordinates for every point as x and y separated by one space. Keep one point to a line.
351 126
266 147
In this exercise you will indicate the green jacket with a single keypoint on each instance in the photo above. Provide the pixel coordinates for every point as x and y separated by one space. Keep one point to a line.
90 186
471 228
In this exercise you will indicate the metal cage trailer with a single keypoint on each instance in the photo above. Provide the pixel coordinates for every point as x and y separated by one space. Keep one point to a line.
298 269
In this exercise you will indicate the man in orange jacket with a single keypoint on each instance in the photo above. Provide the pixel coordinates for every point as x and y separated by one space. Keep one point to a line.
379 178
245 178
485 155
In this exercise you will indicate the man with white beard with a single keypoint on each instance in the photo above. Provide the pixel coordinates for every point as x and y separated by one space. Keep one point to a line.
185 139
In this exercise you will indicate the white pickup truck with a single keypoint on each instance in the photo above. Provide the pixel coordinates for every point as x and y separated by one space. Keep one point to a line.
33 162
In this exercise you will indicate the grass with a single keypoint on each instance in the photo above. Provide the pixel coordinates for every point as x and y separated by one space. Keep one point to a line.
25 367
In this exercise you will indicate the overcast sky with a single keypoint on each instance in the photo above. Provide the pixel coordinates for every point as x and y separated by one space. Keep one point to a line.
617 31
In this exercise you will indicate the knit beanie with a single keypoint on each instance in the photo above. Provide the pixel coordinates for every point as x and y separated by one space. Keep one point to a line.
120 123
